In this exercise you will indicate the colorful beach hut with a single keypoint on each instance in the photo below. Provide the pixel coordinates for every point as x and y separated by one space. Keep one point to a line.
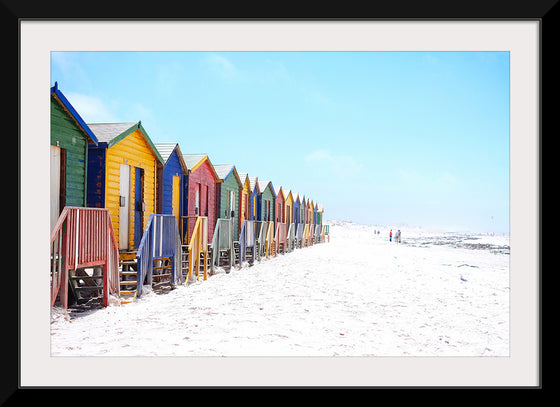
201 196
289 207
122 176
170 186
244 199
70 138
296 207
228 189
267 201
254 194
280 206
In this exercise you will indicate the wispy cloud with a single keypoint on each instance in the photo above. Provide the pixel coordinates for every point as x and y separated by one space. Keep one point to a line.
341 165
92 109
220 65
168 77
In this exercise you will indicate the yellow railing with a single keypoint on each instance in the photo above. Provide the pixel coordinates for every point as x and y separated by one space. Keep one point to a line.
305 241
270 239
198 245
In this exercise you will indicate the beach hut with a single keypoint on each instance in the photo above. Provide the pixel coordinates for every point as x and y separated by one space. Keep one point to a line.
302 209
122 176
289 207
83 249
70 138
320 210
280 206
170 186
244 199
254 194
201 196
296 207
267 199
228 189
296 216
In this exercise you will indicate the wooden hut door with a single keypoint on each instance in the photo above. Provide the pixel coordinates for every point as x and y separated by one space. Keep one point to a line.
124 198
138 205
55 185
175 200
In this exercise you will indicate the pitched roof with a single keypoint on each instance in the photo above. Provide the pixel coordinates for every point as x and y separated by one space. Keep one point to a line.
193 161
112 133
59 96
166 149
253 183
224 171
243 177
264 184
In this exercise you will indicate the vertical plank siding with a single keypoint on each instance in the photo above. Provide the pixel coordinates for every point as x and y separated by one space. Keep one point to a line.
204 177
133 150
67 135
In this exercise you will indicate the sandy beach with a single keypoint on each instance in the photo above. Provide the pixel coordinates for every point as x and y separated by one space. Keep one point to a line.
433 294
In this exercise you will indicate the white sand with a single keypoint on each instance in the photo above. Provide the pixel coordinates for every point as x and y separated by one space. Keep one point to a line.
358 295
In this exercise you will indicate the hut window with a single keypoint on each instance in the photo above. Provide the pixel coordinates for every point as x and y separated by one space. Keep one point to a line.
231 203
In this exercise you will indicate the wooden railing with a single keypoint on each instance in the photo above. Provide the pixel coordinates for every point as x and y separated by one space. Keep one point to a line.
299 235
222 241
246 240
291 237
261 227
198 245
160 240
305 240
269 239
280 237
83 238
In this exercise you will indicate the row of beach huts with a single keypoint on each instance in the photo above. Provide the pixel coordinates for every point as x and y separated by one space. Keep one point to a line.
129 215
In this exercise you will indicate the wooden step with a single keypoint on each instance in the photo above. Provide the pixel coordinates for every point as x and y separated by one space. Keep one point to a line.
128 292
128 273
85 277
130 282
160 275
89 287
162 267
128 262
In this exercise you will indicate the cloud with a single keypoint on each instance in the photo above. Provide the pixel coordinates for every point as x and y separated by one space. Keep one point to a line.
92 109
220 66
168 78
340 165
318 155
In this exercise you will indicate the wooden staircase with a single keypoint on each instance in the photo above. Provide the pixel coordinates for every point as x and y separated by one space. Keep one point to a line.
128 276
84 286
161 275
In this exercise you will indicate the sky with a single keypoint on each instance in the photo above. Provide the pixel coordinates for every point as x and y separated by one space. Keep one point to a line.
395 139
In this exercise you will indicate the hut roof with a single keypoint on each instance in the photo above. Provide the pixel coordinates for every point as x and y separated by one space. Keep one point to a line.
193 161
253 183
225 170
166 149
112 133
59 96
264 184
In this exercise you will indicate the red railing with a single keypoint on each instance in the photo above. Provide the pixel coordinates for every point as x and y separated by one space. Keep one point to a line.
81 238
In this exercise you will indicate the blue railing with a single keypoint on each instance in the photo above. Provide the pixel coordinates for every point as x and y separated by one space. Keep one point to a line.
160 240
246 240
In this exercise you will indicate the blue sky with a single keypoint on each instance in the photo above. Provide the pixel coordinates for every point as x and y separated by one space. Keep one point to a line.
384 138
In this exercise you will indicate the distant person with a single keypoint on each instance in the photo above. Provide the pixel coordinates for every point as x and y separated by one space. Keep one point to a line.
398 236
391 235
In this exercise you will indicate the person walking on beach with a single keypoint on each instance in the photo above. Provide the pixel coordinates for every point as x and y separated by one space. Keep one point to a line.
398 236
391 235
